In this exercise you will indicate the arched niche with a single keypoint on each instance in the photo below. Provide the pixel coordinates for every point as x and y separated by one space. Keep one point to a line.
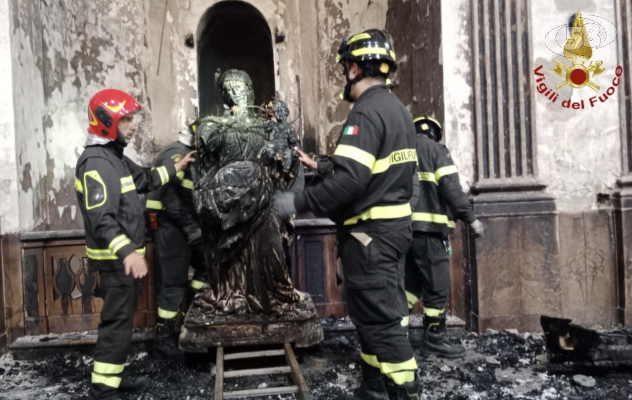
233 35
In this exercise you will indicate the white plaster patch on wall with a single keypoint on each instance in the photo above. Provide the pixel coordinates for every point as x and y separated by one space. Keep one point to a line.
365 17
28 94
578 151
458 92
9 217
84 47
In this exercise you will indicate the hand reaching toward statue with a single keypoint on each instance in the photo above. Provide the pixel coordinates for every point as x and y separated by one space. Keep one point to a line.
306 161
184 163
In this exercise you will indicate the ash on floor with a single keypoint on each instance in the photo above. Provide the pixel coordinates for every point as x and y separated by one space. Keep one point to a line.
504 365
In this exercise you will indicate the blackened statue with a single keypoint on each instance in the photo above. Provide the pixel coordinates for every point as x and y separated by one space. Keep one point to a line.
242 160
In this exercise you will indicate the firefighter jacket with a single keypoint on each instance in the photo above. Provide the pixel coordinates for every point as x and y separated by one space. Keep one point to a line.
371 185
107 185
441 198
175 201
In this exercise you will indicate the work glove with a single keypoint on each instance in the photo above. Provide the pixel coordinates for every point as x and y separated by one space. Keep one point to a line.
283 203
477 228
194 235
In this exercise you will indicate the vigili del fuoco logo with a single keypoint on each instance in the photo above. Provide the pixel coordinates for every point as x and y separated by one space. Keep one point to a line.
578 75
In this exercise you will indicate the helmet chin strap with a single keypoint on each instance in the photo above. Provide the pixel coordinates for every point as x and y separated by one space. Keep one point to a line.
346 95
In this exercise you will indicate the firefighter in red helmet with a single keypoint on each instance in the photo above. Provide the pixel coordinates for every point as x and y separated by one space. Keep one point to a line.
107 185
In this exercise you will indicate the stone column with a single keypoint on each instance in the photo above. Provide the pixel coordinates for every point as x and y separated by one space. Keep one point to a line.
622 198
511 266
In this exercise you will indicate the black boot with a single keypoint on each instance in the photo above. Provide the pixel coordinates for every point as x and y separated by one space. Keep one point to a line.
166 340
369 390
433 339
373 385
100 391
133 384
407 391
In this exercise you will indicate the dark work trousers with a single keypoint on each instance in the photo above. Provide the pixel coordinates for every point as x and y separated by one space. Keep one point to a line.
376 299
428 271
175 256
120 295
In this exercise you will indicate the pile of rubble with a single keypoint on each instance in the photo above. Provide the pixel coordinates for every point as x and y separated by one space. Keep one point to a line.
498 365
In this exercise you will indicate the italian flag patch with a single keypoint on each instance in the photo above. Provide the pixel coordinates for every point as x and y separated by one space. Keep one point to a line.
351 130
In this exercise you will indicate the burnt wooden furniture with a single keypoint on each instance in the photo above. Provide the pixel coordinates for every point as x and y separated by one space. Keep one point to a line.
300 386
57 289
315 264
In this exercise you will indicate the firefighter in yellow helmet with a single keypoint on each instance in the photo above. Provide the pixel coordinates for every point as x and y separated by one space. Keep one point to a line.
369 197
441 201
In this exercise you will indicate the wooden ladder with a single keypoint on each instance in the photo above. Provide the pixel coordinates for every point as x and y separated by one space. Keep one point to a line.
292 367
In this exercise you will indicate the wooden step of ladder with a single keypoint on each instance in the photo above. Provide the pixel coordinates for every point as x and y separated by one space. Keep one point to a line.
292 367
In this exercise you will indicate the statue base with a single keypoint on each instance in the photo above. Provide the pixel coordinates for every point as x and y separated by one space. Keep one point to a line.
203 328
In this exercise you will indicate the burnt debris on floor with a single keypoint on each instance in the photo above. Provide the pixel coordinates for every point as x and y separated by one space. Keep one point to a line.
498 365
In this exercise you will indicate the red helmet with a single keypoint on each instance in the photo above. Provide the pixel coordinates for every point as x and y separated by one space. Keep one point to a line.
105 110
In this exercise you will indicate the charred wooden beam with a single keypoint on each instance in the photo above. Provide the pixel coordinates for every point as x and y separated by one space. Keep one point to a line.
570 342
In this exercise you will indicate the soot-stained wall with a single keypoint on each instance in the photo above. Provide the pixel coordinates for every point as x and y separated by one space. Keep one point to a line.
63 53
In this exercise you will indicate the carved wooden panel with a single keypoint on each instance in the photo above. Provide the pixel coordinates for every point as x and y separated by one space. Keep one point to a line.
66 289
315 270
70 306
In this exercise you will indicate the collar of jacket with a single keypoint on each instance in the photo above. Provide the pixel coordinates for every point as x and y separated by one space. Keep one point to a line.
370 91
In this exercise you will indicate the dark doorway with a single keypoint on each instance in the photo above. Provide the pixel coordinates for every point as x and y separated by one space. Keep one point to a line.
233 35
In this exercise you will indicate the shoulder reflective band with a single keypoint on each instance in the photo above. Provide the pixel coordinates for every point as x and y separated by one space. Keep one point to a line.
97 254
108 369
187 184
361 156
359 36
95 180
436 218
78 185
396 157
382 212
154 204
428 177
164 175
127 184
118 242
443 171
373 50
111 381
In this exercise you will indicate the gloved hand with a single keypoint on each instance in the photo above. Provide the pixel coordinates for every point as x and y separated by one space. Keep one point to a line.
477 228
194 235
283 203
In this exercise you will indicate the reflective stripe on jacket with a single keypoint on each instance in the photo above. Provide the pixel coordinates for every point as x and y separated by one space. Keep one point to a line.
107 185
441 198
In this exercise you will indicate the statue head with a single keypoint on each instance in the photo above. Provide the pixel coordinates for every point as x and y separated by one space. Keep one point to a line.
281 110
236 89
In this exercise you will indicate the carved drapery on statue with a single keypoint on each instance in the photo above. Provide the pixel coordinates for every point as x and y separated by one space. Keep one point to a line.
242 160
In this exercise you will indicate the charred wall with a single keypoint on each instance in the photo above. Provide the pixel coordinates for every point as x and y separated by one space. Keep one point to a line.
64 52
